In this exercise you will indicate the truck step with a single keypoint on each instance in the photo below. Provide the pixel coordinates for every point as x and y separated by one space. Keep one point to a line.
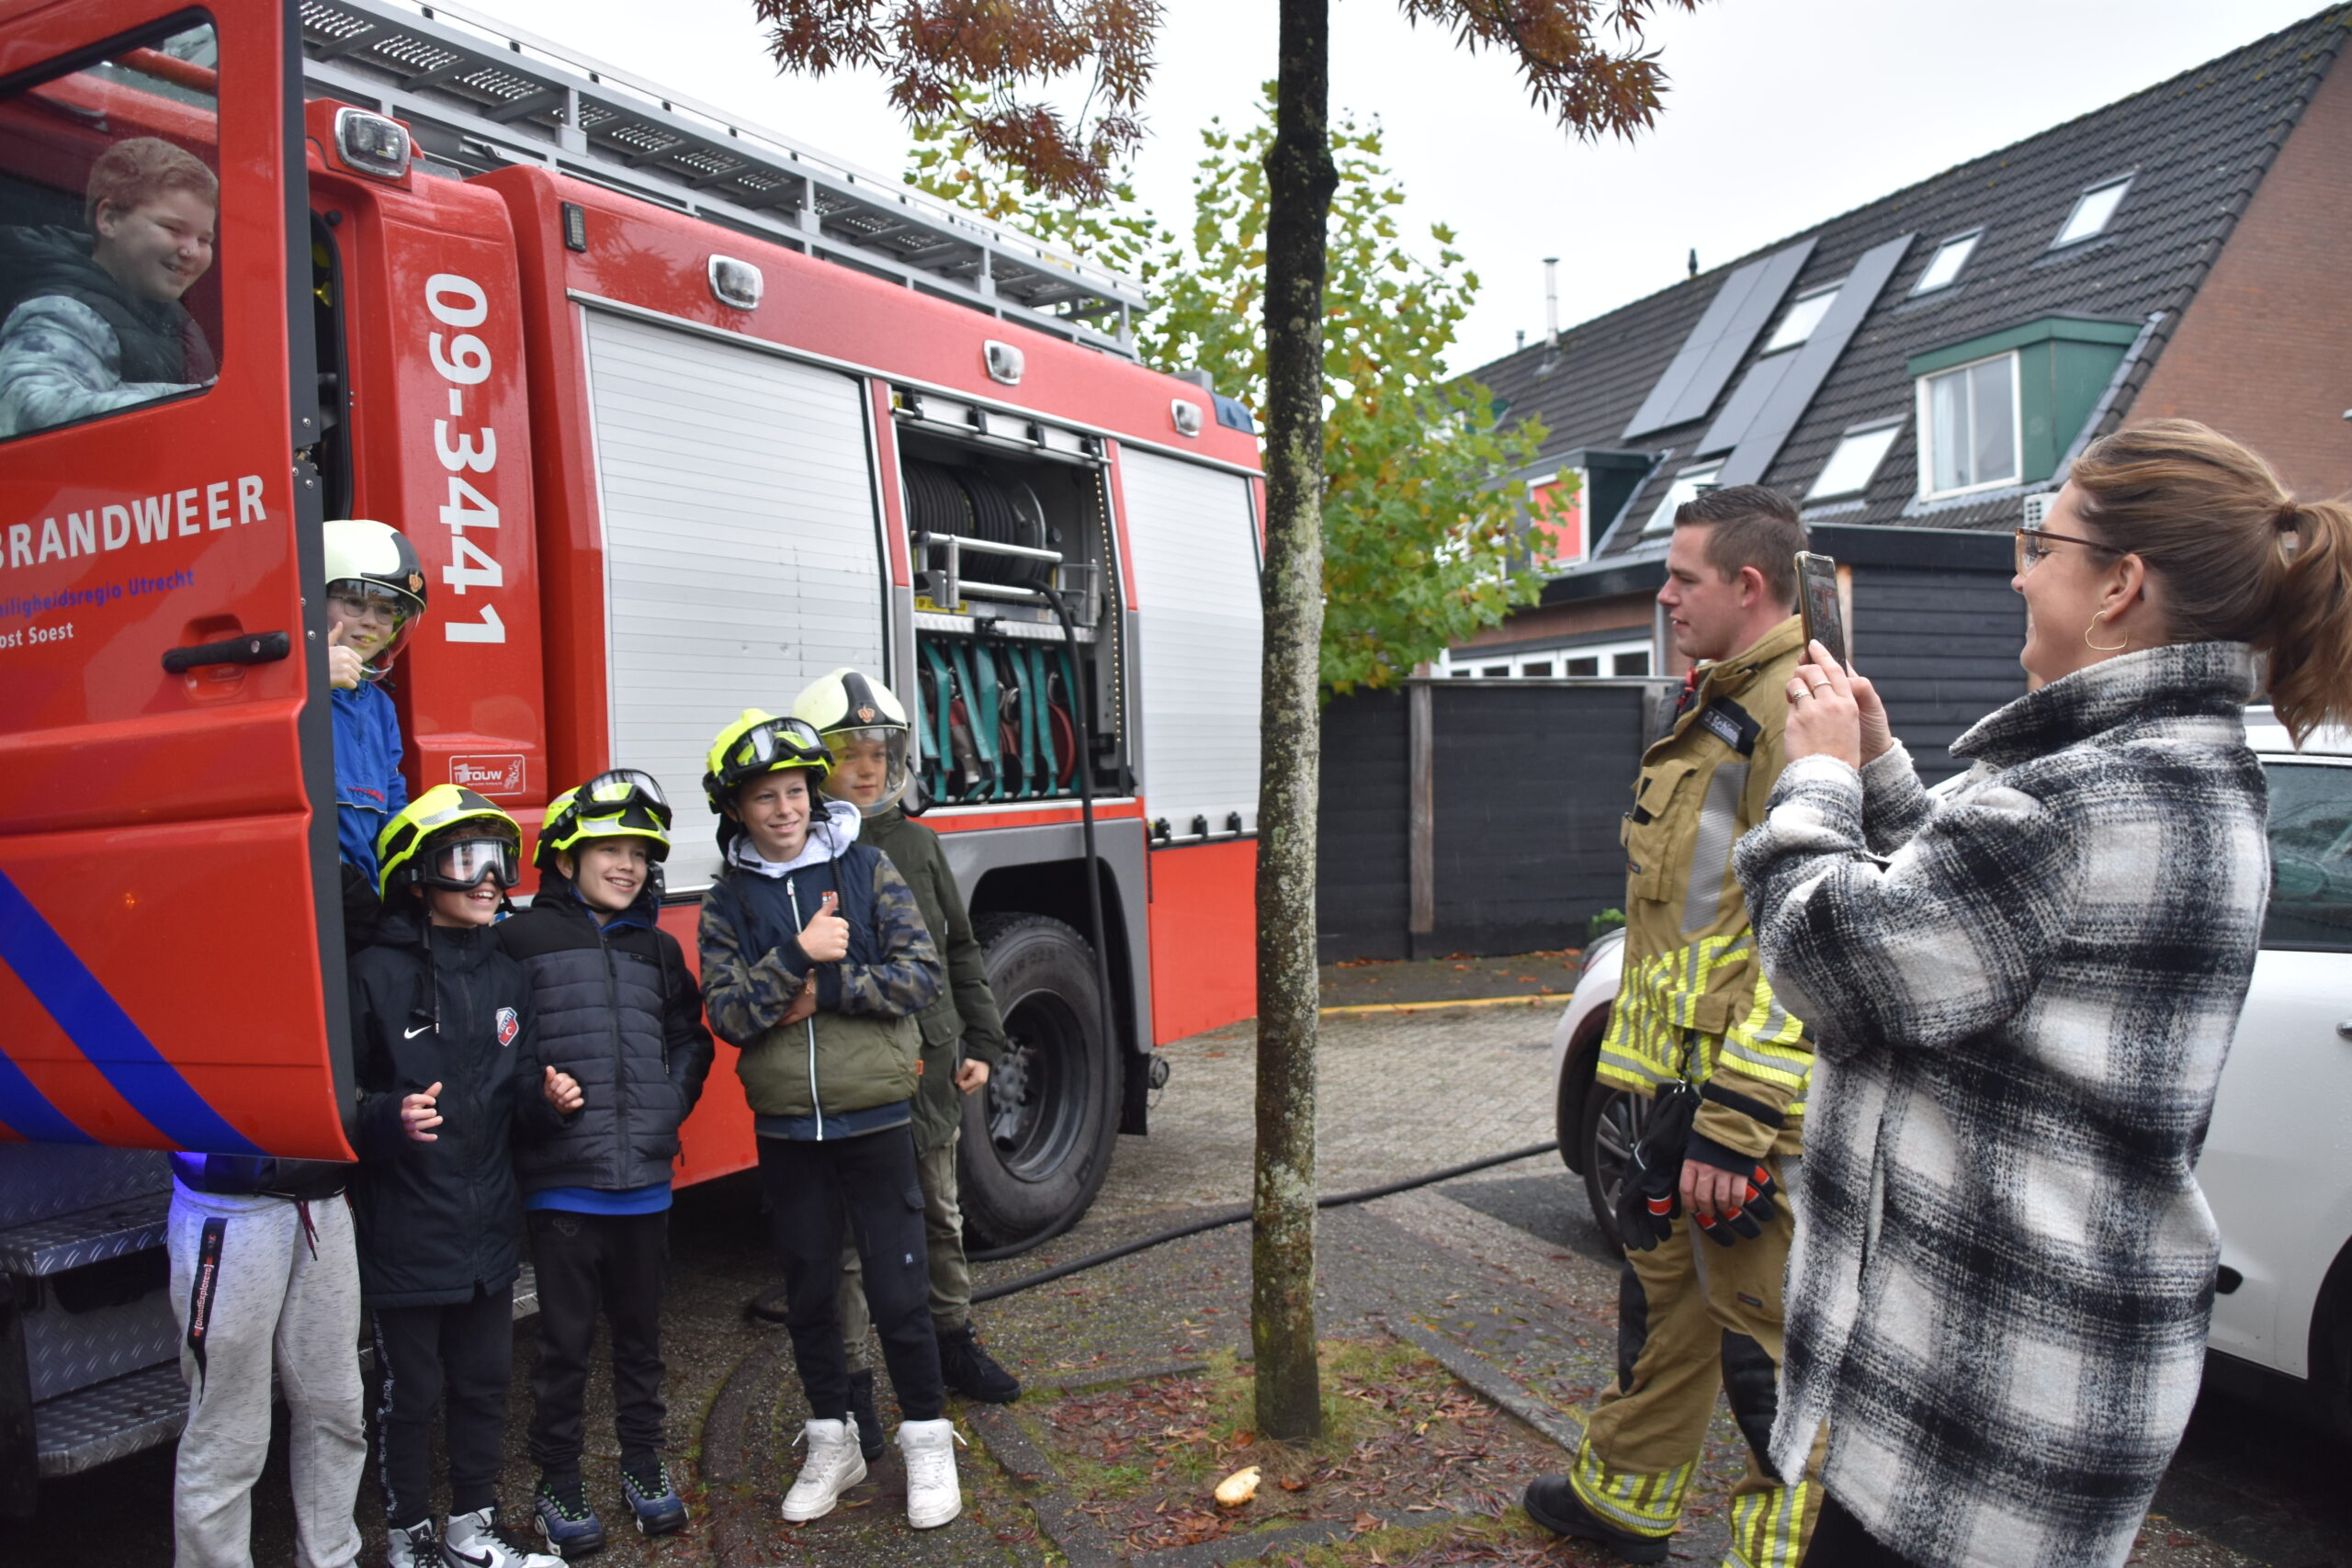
88 1236
84 1429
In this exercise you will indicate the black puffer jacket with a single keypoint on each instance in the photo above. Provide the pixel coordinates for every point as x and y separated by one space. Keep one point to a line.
441 1006
618 1010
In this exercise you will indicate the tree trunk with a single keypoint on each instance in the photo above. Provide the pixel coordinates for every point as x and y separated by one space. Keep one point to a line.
1300 179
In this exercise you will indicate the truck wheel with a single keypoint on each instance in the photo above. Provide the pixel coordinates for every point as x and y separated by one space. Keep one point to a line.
1613 1119
1037 1140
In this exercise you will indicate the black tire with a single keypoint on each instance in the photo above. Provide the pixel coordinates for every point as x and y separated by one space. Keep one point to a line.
1613 1119
1037 1140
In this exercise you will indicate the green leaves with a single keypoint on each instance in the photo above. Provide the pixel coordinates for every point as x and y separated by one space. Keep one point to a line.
1421 546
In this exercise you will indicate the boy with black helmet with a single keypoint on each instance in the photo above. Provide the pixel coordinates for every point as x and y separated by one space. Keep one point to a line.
815 962
449 1080
616 1005
374 598
866 730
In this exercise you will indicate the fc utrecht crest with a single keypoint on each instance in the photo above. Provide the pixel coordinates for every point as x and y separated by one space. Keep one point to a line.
509 1026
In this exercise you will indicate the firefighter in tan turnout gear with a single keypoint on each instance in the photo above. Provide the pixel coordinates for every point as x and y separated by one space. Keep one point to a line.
1706 1218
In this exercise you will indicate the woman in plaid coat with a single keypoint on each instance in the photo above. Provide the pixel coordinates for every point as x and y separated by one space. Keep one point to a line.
2022 994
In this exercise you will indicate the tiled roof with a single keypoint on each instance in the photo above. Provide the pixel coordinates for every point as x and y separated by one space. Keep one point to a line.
2195 145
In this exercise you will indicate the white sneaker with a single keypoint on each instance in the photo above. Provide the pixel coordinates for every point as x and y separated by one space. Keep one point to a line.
418 1546
833 1467
929 1449
470 1542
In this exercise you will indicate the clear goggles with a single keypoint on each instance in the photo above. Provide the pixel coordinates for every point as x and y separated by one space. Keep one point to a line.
462 864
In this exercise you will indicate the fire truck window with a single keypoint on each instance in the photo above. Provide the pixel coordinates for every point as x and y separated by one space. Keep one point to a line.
109 203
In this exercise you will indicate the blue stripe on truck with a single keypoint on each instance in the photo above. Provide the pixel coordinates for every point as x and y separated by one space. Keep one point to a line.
104 1034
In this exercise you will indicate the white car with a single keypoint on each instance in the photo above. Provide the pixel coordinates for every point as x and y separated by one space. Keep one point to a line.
2278 1163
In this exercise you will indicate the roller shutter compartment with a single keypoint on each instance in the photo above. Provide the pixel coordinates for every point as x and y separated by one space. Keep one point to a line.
742 550
1193 536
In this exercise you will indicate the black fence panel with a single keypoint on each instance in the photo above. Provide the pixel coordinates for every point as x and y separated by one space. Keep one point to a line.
1362 890
1527 782
1942 648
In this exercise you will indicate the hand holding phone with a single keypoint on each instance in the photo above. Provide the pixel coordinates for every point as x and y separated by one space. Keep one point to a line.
1820 605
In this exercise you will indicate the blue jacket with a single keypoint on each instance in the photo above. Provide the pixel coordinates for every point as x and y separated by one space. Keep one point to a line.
367 785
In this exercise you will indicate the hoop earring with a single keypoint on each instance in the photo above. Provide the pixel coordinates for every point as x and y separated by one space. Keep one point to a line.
2100 646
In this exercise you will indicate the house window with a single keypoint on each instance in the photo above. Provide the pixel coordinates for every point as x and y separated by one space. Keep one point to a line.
1943 268
1686 487
1537 669
2093 211
1582 667
1497 672
1803 315
1634 663
1969 417
1851 467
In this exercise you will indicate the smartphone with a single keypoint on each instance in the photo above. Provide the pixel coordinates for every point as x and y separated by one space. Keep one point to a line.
1817 602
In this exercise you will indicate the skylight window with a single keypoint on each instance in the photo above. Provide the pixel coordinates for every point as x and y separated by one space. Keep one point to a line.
1804 316
1943 270
1686 487
1850 468
2093 210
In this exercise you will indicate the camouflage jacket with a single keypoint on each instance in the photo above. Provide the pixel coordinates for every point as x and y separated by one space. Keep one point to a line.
964 1023
861 1048
60 362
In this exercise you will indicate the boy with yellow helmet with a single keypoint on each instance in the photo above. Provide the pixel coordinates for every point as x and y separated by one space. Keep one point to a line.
815 962
867 732
446 1053
618 1006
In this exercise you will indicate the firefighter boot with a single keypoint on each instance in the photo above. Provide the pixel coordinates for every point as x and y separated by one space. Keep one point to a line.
1553 1502
972 1372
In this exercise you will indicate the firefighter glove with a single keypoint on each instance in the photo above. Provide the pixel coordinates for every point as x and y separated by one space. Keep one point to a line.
1649 1200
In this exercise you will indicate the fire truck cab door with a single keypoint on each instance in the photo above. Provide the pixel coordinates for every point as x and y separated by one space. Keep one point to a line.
171 952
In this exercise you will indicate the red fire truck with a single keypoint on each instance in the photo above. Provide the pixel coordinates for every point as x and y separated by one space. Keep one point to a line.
679 416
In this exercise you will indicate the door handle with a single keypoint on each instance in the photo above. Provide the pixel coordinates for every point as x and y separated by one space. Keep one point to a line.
254 648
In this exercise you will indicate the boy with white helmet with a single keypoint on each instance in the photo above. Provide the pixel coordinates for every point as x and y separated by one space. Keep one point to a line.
815 964
867 732
375 599
617 1007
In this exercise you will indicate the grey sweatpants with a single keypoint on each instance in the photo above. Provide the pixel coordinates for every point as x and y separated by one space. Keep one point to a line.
263 1297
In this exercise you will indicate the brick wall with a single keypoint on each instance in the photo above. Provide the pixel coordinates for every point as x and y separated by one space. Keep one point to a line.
2265 350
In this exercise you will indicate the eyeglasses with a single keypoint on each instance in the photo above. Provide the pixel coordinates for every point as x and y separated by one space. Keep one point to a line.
367 608
2033 546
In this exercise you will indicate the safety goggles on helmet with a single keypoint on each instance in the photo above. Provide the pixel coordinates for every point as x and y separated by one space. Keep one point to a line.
619 803
460 864
409 850
760 743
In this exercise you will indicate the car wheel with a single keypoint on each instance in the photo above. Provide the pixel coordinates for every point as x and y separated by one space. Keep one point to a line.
1613 1119
1037 1140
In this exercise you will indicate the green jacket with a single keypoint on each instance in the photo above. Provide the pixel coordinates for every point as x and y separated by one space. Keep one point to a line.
967 1009
861 1050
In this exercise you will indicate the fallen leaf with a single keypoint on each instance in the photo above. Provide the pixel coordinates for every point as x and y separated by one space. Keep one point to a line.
1289 1486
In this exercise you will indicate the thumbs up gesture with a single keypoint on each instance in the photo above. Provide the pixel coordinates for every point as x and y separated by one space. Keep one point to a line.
420 1114
825 939
563 1091
344 665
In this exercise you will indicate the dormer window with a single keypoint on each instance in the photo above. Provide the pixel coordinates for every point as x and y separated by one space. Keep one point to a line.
1944 267
1804 316
2093 210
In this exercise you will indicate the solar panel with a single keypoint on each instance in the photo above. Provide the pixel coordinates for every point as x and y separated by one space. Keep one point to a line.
1792 394
1747 401
1702 365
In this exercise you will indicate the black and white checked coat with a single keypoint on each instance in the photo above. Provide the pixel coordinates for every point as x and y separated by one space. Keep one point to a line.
2022 993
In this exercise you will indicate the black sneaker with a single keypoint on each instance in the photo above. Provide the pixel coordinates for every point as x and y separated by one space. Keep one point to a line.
862 1415
972 1372
569 1524
645 1482
1553 1502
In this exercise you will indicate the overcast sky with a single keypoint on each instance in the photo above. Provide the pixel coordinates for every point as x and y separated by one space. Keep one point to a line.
1780 113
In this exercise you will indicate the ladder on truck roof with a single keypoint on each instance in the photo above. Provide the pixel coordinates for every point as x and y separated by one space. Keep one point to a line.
479 96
